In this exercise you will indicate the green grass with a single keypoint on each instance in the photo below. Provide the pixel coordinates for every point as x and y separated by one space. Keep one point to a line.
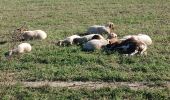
61 18
20 93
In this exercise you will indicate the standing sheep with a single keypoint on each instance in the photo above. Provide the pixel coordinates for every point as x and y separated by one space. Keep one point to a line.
100 29
36 34
21 48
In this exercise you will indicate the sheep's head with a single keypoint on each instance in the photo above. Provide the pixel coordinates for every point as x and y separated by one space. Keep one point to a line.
21 29
110 25
112 35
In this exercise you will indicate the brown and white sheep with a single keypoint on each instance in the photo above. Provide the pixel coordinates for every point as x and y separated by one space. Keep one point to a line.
140 37
130 46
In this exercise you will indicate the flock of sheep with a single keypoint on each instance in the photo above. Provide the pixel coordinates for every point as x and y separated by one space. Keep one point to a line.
92 39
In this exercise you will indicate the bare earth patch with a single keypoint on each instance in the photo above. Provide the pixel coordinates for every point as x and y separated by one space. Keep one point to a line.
7 76
91 85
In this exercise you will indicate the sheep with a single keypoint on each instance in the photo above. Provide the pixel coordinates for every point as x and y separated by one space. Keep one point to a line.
86 38
68 41
100 29
21 48
99 42
94 44
130 46
36 34
141 37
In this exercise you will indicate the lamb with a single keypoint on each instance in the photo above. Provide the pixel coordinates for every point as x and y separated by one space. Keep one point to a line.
36 34
141 37
100 29
68 41
86 38
130 46
21 48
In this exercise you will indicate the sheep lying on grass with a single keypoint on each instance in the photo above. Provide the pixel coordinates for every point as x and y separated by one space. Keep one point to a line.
100 29
21 48
96 43
140 37
36 34
68 41
130 46
86 38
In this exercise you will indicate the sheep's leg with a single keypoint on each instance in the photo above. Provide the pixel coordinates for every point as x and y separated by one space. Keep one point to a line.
144 52
133 53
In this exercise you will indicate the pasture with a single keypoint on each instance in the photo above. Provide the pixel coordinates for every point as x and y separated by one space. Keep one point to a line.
62 18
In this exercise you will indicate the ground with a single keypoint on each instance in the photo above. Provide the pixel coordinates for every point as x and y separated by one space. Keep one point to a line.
61 18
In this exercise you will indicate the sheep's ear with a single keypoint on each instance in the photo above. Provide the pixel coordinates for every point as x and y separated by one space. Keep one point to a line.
109 41
111 25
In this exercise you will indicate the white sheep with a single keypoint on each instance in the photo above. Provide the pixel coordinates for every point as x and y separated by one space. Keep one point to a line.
141 37
36 34
21 48
95 44
68 41
86 38
100 29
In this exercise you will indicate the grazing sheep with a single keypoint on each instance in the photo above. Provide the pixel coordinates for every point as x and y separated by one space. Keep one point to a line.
68 41
21 48
86 38
130 46
141 37
100 29
36 34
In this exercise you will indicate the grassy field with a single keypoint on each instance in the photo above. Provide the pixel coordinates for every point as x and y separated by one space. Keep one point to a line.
61 18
